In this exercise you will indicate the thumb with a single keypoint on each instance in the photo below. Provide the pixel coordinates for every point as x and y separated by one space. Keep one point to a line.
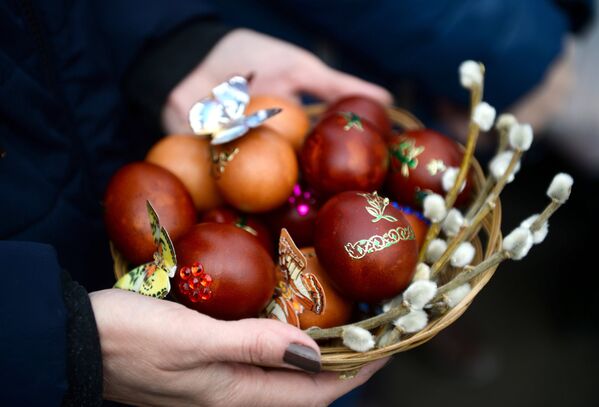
265 342
329 84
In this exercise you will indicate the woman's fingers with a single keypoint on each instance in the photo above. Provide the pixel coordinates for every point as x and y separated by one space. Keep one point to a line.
329 84
288 388
262 342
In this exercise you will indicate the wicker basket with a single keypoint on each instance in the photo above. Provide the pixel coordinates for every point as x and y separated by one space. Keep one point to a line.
487 241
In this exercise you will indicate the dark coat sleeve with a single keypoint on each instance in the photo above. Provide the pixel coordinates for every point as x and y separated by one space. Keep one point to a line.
45 322
163 64
50 351
130 26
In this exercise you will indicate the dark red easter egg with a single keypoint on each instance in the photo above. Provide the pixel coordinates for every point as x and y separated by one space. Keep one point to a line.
418 160
343 153
418 222
366 246
223 271
297 216
246 222
336 311
366 108
126 216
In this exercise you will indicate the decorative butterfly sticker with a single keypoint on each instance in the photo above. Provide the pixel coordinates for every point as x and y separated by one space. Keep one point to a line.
298 290
153 279
222 115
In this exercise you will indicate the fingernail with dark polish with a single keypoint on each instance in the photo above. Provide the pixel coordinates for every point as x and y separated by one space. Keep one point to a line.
303 357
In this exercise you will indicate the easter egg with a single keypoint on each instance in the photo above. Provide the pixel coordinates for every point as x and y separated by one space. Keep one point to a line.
365 107
125 214
259 173
292 123
223 271
297 215
418 222
249 223
336 310
419 158
366 246
188 157
343 153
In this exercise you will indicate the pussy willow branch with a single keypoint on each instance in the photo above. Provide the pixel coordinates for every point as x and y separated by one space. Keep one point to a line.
545 215
465 276
370 323
481 197
490 180
472 225
495 259
476 95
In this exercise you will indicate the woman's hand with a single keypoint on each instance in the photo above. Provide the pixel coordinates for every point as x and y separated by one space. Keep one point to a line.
281 69
159 353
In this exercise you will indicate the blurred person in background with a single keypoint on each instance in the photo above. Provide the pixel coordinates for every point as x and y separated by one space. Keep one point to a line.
415 49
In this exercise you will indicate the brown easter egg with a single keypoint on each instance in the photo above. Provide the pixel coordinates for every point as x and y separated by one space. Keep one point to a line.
418 160
223 271
343 153
188 157
292 123
246 222
126 217
366 108
261 172
366 246
336 311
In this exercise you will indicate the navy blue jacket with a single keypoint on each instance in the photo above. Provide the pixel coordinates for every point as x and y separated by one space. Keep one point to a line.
422 43
62 134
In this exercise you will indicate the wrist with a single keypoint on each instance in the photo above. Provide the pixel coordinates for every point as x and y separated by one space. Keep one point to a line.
84 364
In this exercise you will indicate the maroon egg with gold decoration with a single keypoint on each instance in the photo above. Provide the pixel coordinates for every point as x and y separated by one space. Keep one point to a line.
249 223
419 158
344 153
366 246
417 220
365 107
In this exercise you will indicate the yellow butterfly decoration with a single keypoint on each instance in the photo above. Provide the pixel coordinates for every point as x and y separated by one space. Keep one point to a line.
153 279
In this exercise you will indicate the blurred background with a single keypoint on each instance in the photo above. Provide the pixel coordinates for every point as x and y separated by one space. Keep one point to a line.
530 338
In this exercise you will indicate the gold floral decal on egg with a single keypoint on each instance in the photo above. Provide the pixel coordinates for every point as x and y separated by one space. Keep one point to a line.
353 121
406 153
435 166
377 205
377 243
221 159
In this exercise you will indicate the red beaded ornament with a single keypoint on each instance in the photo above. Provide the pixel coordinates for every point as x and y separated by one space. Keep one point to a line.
195 283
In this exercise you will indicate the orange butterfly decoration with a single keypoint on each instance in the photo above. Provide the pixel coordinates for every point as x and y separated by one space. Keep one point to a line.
297 290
